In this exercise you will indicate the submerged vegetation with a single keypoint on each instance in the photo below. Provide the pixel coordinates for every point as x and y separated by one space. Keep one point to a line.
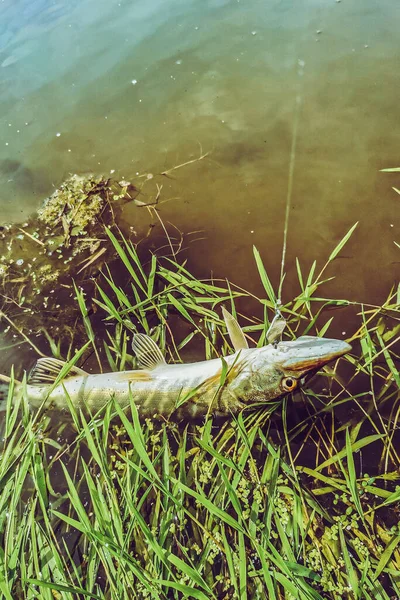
66 237
300 501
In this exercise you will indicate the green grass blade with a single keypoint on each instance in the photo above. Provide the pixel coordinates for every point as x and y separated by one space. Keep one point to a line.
264 277
342 243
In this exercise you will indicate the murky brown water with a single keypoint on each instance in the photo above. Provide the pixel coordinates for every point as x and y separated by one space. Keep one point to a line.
141 87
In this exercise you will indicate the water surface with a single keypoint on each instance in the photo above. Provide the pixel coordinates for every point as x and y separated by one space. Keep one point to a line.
138 87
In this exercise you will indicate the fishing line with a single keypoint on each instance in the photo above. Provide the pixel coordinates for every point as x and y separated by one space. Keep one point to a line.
300 73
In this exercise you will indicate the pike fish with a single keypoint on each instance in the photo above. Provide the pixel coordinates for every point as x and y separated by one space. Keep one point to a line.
246 379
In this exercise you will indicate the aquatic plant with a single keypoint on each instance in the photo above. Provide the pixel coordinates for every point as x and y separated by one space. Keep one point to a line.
65 238
299 502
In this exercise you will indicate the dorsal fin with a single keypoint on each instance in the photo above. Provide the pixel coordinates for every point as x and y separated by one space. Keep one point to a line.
46 371
276 328
147 352
235 331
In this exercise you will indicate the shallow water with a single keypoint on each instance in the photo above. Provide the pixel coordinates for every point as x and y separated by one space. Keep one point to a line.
140 87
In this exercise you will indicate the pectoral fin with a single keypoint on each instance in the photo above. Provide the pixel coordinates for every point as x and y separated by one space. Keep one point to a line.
235 331
46 371
147 352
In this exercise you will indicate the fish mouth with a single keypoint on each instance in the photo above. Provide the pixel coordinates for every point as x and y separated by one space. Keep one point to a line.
306 355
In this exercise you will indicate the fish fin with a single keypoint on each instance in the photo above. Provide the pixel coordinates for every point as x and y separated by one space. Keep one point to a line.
46 371
7 379
235 331
132 376
212 381
276 328
215 383
147 352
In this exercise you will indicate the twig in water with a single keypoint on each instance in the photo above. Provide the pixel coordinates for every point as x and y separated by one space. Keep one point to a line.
179 242
92 259
166 233
22 334
32 237
188 162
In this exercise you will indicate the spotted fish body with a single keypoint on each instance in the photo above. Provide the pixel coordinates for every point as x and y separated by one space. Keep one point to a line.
247 378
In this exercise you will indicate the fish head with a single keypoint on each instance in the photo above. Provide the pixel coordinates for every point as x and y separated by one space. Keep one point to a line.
278 369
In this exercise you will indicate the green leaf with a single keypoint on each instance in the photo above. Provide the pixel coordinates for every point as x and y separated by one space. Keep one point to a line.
215 510
242 568
187 591
351 572
386 555
264 277
63 588
351 476
124 257
370 439
342 243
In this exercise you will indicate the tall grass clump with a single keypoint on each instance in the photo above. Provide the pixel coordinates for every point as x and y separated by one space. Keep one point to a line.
300 501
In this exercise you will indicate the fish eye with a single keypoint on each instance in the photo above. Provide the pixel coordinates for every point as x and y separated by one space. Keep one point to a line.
289 384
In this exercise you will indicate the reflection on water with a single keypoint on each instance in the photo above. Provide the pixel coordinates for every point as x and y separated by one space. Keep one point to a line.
140 87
